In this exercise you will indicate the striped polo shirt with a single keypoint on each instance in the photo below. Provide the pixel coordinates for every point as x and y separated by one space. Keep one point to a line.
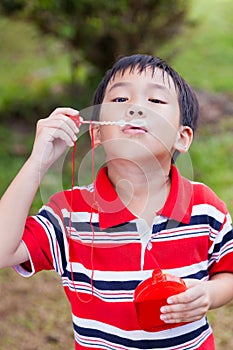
102 252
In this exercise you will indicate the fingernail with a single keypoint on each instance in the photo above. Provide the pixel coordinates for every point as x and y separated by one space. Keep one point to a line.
163 309
163 317
170 301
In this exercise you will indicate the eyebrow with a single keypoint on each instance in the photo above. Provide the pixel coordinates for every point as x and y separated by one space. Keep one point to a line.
151 85
159 86
120 84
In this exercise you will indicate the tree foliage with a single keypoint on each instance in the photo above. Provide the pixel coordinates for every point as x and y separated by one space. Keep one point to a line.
97 32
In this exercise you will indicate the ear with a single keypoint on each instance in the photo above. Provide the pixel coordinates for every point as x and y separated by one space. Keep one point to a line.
184 139
95 135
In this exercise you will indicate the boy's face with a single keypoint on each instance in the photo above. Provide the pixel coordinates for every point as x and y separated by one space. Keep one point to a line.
151 98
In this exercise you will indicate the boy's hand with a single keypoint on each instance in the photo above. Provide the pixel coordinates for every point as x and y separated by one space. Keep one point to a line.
53 135
188 306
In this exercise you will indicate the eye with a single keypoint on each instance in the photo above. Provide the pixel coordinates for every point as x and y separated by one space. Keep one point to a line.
120 99
156 100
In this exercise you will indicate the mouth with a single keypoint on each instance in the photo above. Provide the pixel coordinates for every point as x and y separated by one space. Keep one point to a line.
134 130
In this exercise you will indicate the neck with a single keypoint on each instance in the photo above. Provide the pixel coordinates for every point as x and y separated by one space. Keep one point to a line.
142 189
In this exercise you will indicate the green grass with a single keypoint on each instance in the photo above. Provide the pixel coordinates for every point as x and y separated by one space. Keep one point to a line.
205 51
213 164
210 159
15 146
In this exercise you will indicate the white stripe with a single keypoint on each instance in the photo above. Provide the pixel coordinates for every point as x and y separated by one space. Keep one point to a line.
61 226
111 275
138 334
195 343
80 216
226 249
104 295
175 234
105 239
96 343
50 232
189 270
208 209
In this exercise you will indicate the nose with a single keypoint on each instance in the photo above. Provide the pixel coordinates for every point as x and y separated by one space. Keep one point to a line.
135 112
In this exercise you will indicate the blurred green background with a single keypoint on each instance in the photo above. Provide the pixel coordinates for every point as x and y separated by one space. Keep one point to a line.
53 53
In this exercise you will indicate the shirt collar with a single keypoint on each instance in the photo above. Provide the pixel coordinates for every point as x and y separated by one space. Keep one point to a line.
179 203
112 211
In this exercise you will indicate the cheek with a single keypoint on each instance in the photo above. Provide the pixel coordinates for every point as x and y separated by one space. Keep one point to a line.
110 133
164 129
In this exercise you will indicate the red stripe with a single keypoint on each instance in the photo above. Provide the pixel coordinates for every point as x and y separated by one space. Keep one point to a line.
122 258
35 238
183 252
121 315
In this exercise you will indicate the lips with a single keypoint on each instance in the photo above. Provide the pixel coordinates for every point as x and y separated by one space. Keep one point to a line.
134 130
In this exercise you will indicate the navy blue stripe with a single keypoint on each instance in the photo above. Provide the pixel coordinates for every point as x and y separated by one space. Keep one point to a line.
198 275
86 227
204 219
227 238
142 344
195 220
51 242
104 285
59 236
169 235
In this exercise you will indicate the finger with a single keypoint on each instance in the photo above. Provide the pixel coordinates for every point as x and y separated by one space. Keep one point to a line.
192 304
185 316
184 308
70 112
184 312
62 135
61 122
180 319
77 120
57 128
63 118
67 124
188 296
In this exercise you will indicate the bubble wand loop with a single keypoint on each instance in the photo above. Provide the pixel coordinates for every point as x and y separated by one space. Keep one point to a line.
134 123
122 122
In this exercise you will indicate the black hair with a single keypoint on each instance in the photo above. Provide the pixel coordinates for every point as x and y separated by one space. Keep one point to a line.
188 103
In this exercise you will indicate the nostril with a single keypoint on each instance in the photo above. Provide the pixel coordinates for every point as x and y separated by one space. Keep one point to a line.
131 112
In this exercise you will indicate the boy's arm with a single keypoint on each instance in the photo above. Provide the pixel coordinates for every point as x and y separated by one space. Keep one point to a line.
200 297
53 135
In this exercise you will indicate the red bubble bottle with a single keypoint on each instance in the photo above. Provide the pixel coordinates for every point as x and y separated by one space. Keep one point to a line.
151 294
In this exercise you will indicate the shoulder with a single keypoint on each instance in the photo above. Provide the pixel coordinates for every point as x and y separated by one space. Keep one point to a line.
81 196
203 194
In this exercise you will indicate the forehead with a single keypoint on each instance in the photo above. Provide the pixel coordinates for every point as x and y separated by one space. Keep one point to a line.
152 77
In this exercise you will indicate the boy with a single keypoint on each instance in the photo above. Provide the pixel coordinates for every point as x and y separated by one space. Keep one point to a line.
106 238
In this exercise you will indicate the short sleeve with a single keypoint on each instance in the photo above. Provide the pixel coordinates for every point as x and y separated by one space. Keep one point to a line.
221 248
43 239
